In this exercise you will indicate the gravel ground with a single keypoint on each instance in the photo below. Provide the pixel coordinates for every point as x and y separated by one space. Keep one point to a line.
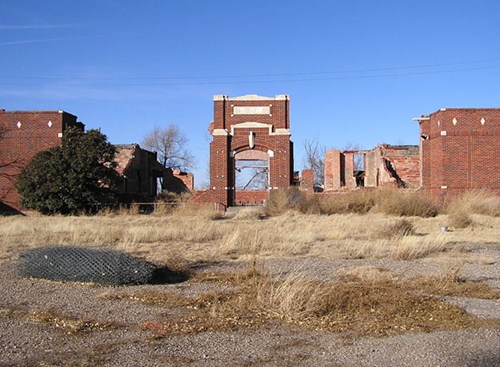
25 342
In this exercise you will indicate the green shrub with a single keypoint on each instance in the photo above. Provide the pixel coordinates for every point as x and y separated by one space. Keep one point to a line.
75 177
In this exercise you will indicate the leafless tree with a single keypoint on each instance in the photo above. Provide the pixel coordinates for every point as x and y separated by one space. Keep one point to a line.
258 179
315 160
170 144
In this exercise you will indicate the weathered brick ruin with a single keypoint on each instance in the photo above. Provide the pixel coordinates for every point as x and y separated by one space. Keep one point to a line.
25 133
386 165
248 128
177 181
139 170
459 150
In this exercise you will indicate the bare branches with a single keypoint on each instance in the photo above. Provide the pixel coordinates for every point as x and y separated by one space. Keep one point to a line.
170 144
315 160
258 180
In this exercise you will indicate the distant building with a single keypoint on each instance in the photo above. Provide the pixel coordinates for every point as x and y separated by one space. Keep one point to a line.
139 170
385 165
248 129
460 151
177 181
25 133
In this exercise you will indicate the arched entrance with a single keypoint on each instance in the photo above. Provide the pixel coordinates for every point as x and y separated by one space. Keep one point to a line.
249 132
251 177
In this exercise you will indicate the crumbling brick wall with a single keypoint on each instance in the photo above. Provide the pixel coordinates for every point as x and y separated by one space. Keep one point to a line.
385 165
307 180
139 170
177 181
459 149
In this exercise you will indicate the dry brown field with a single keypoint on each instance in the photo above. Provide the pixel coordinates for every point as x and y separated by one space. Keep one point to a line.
294 289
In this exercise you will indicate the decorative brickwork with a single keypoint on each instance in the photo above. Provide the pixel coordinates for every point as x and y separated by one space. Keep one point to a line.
23 134
246 127
459 150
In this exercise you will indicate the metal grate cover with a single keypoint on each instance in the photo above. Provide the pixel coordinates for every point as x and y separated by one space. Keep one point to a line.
79 264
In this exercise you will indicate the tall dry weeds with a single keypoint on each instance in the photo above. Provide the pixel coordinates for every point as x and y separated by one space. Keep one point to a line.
360 307
476 202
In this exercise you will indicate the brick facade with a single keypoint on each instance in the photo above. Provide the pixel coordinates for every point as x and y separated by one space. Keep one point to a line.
459 151
24 134
249 128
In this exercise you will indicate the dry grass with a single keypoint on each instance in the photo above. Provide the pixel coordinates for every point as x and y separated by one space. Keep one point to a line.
404 203
476 202
358 202
67 324
461 210
397 228
388 201
365 273
378 308
451 284
366 300
196 236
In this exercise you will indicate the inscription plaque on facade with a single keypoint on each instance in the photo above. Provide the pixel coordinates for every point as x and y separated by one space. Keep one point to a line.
251 110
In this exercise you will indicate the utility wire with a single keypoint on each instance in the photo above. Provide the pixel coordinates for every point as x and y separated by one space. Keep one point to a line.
263 78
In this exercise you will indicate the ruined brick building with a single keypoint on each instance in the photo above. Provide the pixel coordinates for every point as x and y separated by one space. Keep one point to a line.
139 170
386 165
460 151
25 133
248 129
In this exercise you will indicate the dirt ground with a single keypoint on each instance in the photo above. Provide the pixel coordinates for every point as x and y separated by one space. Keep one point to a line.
44 323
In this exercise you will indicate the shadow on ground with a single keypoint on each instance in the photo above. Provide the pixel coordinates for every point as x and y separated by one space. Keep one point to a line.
165 275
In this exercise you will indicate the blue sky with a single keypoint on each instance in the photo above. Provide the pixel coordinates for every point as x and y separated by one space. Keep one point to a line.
357 71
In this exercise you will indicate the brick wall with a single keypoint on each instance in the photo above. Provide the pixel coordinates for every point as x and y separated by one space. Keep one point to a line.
177 181
460 151
307 182
26 133
250 197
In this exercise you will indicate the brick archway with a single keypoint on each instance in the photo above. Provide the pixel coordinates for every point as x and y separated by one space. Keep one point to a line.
243 126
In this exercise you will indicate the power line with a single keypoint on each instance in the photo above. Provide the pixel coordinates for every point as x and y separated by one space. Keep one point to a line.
264 78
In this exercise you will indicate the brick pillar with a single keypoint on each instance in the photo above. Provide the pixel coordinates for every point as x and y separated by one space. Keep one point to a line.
221 170
333 170
307 180
350 181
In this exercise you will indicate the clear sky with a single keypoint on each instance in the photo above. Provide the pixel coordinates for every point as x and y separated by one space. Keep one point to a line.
357 71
